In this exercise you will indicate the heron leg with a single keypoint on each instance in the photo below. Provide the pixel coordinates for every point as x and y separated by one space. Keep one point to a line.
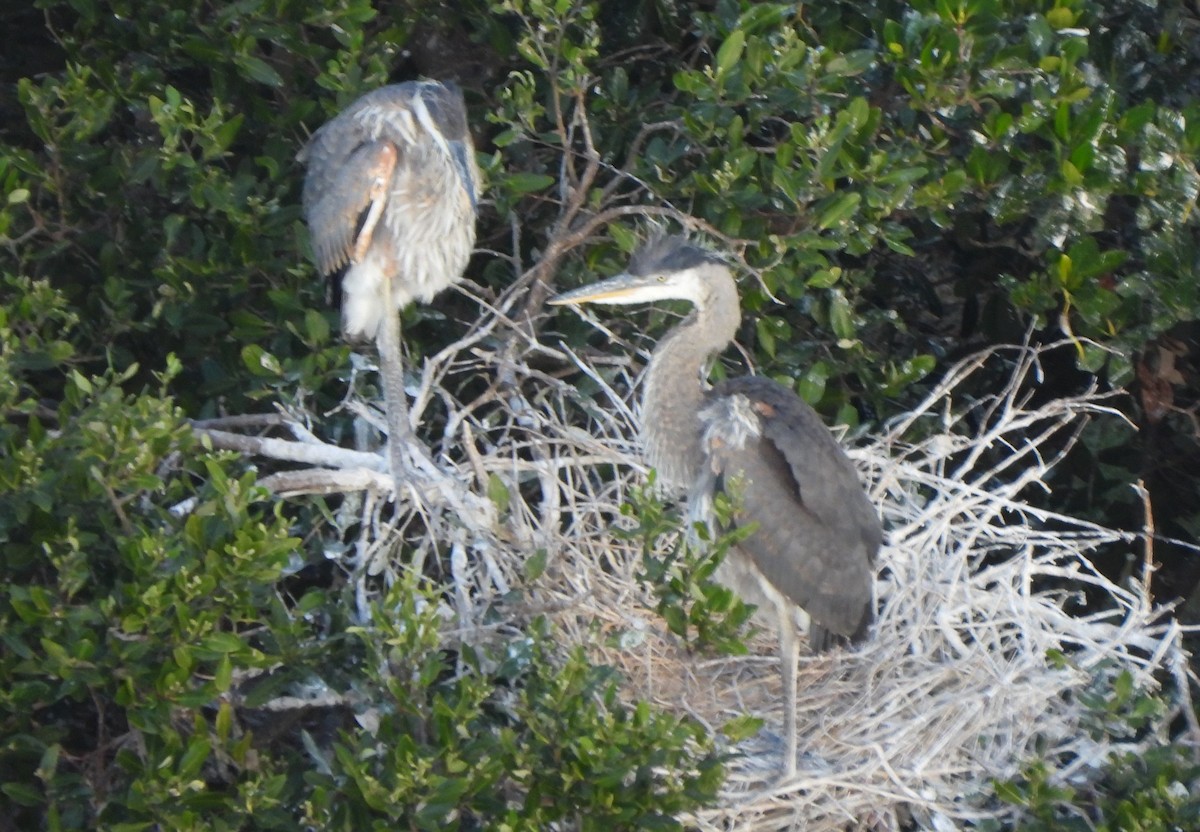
788 656
391 371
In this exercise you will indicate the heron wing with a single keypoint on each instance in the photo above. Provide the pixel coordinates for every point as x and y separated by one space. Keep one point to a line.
817 534
340 194
348 155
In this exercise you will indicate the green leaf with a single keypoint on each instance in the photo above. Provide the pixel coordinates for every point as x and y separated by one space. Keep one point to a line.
742 727
224 135
1123 686
1060 17
535 565
858 113
23 793
48 765
905 176
1064 271
260 362
256 69
223 678
194 758
1071 174
812 385
841 317
625 239
730 52
224 721
316 326
81 382
223 643
765 336
525 183
825 278
498 492
676 620
1093 358
838 208
1009 793
1062 121
505 138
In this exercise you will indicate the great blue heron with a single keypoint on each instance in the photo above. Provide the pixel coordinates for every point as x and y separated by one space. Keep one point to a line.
390 197
816 535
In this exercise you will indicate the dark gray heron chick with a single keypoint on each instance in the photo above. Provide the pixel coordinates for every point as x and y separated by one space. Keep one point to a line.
390 198
817 535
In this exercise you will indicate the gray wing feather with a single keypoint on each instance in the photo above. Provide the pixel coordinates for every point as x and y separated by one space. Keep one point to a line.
335 201
817 535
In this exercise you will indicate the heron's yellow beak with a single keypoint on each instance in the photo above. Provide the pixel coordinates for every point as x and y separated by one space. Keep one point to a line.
624 288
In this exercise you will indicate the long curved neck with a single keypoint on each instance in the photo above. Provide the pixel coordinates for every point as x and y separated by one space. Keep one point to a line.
674 389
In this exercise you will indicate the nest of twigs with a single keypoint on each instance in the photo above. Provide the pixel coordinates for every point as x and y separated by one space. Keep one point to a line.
981 657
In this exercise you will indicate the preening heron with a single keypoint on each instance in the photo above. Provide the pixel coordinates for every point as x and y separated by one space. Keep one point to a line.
817 534
390 198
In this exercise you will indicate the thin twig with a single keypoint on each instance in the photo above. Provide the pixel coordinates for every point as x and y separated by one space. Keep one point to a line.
1148 566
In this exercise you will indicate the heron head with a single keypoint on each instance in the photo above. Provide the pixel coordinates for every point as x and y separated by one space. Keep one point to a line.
438 107
666 268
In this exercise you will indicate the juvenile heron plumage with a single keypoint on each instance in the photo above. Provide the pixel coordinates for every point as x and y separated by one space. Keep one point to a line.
390 199
817 535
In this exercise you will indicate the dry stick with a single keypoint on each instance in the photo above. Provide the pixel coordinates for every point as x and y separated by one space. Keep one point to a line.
1183 681
575 200
325 481
115 501
1148 548
440 363
244 420
324 455
539 277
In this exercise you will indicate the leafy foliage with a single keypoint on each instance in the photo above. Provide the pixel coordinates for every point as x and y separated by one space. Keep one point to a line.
908 178
124 622
147 626
682 575
517 740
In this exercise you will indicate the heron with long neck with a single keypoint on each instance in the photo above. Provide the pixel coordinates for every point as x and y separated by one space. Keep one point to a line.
812 550
390 198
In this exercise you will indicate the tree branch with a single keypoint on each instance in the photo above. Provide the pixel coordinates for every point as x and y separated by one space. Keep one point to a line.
323 455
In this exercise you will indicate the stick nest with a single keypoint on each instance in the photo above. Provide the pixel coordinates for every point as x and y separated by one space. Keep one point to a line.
982 658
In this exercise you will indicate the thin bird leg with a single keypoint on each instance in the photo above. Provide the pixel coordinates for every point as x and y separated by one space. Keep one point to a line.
788 657
391 371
